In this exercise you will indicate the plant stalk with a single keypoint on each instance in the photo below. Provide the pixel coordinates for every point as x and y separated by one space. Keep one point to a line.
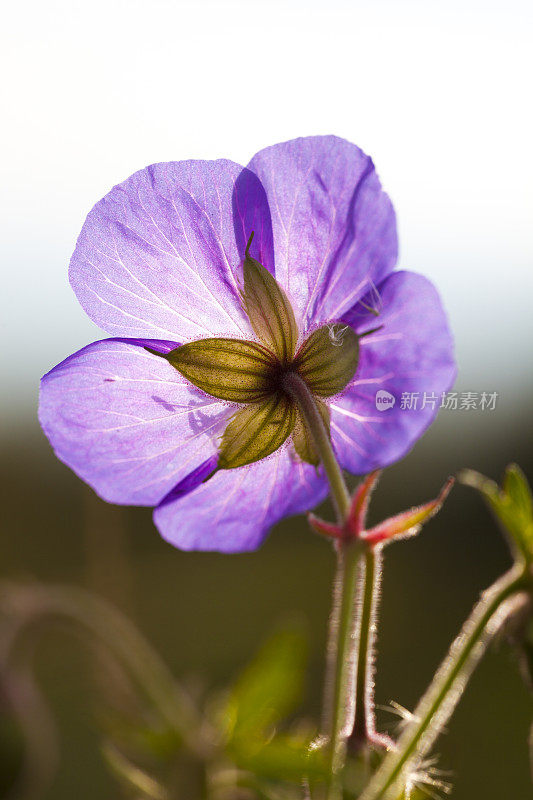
444 692
341 638
364 711
300 393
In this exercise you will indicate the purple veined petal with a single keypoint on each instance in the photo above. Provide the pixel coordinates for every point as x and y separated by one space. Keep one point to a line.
127 422
192 480
252 213
234 510
334 227
412 353
159 256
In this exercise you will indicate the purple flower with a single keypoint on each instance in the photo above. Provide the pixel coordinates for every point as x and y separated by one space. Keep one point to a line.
159 264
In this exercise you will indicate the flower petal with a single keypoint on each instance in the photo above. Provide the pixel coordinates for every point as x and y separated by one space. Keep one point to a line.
126 422
334 227
158 256
412 353
233 511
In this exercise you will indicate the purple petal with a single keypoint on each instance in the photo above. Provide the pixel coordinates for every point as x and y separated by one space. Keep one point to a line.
192 480
127 422
234 510
413 353
334 227
159 256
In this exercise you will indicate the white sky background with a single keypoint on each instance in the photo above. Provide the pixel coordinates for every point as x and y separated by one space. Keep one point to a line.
438 93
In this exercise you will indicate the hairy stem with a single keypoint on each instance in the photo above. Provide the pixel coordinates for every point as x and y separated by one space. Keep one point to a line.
299 391
446 688
364 711
341 639
340 691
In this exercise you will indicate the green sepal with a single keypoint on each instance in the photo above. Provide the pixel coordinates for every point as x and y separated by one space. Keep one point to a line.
256 431
328 359
268 309
302 438
229 369
512 504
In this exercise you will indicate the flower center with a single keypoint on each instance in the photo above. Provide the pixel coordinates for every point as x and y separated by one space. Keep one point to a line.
252 373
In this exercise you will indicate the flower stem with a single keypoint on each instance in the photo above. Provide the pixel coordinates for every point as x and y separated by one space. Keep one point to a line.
446 688
300 393
364 711
341 639
340 677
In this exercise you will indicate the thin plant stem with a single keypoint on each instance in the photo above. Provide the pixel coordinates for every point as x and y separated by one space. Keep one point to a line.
345 634
444 692
364 710
341 640
299 391
34 603
132 776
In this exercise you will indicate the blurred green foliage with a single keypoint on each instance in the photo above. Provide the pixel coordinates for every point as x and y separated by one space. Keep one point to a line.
269 689
207 614
228 742
512 504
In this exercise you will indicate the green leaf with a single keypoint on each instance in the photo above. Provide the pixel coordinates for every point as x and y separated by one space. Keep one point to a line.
284 758
269 689
516 487
269 310
230 369
511 504
142 734
328 359
256 431
302 438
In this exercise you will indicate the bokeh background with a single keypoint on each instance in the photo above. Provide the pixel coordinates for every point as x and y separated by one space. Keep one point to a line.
439 94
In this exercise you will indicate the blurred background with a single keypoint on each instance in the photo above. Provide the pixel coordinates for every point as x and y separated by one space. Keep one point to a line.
436 93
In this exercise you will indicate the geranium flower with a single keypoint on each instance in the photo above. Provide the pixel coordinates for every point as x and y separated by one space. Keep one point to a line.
184 408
